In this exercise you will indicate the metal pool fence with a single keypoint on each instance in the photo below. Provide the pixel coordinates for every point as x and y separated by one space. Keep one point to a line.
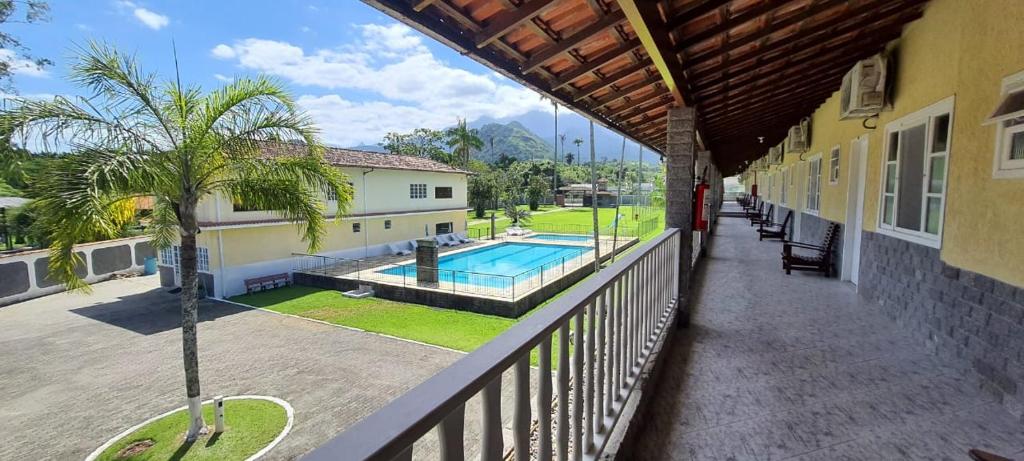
637 229
474 283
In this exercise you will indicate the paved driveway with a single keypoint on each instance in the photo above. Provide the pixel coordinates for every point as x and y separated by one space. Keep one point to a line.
77 369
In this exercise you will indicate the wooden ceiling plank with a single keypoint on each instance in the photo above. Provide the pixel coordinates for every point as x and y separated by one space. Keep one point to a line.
698 10
507 20
547 54
626 91
422 5
609 80
597 62
767 7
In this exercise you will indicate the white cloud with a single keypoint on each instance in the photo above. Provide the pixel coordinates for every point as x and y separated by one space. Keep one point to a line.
392 64
305 29
149 18
21 66
223 78
223 51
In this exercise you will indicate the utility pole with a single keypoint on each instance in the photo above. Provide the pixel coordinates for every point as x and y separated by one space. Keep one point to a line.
593 201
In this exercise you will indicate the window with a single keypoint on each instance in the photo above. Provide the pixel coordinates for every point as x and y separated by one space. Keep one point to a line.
914 174
771 180
417 191
443 228
442 192
332 196
785 186
357 227
833 166
814 185
387 224
167 256
1009 120
202 259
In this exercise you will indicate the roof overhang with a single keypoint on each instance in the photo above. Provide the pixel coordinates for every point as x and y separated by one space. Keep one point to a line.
751 68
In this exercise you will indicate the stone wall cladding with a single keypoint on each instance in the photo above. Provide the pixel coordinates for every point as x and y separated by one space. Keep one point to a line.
42 268
972 321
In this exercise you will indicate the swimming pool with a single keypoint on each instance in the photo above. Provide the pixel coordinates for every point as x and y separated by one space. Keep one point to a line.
560 238
496 265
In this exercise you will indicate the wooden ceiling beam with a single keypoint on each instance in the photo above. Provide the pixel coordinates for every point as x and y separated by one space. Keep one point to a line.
507 20
766 7
770 112
862 27
873 7
698 10
610 80
645 18
422 5
547 54
597 62
793 87
626 91
633 109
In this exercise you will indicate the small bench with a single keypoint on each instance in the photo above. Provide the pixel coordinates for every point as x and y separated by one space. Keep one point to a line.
821 261
267 282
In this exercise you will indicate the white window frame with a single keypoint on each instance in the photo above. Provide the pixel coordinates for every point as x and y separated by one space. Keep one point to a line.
924 116
813 182
1002 166
417 191
203 259
387 224
834 161
167 256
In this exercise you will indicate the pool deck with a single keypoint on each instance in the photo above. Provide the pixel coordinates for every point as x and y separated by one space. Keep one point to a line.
369 269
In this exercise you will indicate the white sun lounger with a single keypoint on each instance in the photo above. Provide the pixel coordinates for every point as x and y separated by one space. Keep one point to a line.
398 251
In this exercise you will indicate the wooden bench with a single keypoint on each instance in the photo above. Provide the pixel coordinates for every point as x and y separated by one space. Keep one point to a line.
267 282
821 261
766 217
771 230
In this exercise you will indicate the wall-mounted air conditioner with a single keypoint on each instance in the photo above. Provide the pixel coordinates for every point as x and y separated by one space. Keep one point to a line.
775 155
799 139
863 93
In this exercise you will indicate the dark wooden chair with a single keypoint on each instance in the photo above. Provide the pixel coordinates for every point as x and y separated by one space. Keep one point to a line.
766 217
820 261
772 230
757 211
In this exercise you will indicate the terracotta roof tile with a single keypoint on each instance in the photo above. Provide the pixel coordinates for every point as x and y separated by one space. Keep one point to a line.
364 159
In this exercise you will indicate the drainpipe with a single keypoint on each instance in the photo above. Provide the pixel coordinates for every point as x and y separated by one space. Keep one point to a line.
365 229
220 248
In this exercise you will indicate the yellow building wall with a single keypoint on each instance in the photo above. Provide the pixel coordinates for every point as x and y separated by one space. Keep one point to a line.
248 245
962 49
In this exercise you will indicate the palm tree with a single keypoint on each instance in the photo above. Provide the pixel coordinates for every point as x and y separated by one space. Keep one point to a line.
578 142
136 137
463 141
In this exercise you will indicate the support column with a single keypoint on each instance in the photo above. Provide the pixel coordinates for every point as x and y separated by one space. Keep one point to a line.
679 156
703 171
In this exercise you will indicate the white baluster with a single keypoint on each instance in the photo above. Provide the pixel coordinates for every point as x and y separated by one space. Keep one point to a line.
577 387
450 434
492 443
544 400
521 412
563 391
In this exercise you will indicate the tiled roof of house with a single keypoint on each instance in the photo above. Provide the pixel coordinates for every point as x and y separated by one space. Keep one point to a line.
364 159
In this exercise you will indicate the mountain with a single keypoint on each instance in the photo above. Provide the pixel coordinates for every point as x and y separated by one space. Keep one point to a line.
514 140
369 148
608 143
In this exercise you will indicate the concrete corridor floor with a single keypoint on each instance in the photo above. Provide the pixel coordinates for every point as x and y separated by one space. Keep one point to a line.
800 367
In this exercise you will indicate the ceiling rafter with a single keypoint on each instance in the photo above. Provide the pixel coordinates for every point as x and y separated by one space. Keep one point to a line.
547 54
507 20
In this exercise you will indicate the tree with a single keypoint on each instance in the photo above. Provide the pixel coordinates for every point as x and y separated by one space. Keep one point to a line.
24 12
135 136
535 190
421 142
516 214
484 189
463 141
578 142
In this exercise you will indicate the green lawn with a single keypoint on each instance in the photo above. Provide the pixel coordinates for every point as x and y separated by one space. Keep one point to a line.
471 213
584 217
251 424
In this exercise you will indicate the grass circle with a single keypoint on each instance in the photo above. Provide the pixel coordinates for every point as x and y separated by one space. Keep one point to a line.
251 424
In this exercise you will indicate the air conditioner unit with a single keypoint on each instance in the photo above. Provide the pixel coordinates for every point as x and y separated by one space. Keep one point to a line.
863 93
799 139
775 155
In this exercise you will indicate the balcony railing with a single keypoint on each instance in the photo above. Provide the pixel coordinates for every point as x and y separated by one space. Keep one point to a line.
606 331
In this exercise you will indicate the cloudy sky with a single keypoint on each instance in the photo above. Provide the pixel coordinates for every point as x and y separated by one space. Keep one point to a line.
356 70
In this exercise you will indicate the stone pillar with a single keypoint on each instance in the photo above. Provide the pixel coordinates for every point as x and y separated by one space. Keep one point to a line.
679 156
426 260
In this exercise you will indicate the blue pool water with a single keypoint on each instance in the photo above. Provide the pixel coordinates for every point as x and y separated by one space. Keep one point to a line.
493 266
560 238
